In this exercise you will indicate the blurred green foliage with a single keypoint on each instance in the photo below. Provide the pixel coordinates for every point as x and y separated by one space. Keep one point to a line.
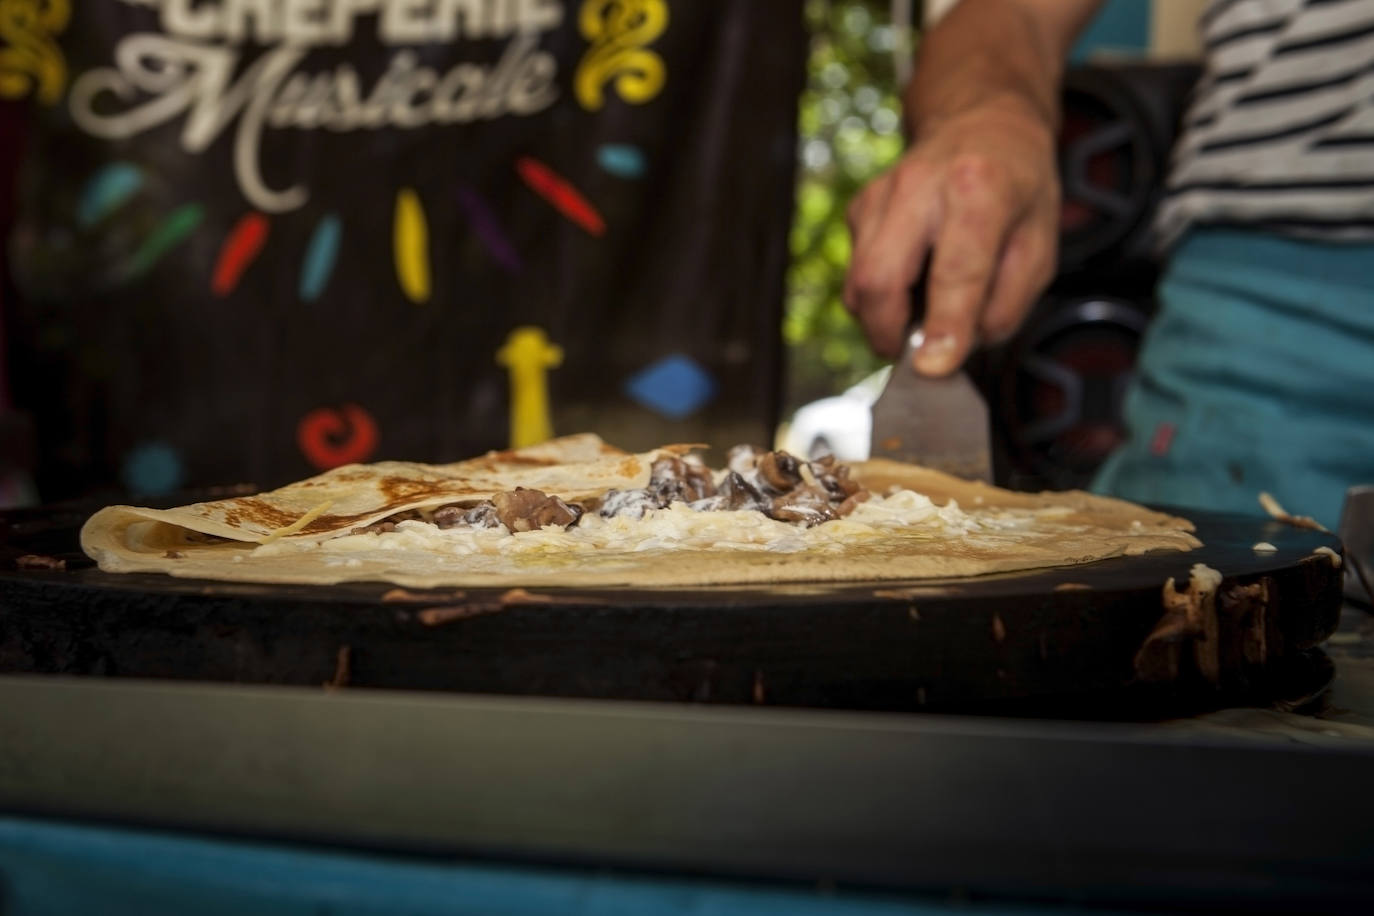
850 126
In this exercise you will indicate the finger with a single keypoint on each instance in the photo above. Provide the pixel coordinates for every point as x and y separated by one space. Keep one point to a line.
888 254
863 216
1026 268
978 219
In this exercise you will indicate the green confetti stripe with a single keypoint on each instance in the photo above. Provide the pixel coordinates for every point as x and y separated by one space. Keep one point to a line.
163 239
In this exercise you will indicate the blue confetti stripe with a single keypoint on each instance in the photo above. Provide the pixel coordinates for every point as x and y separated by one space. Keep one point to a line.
320 256
107 190
621 160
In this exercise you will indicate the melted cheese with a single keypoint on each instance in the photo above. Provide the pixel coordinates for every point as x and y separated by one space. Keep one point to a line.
677 527
298 524
1203 578
1331 554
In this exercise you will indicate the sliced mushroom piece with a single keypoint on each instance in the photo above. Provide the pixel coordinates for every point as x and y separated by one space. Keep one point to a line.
665 469
742 458
834 478
524 509
710 504
447 517
703 485
630 503
850 504
573 509
673 479
450 516
800 513
779 471
388 524
803 505
382 527
468 514
482 515
741 494
844 483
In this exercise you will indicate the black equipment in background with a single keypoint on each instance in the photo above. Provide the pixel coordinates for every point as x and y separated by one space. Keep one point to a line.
1118 126
1058 386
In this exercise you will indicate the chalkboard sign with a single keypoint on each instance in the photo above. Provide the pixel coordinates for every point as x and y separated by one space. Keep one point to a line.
259 239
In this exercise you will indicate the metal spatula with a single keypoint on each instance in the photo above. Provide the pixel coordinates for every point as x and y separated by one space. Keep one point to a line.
941 423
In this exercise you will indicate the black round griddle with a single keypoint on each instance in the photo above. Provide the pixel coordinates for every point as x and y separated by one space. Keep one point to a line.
1091 638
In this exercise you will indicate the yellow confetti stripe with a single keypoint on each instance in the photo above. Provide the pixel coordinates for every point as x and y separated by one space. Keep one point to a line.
412 247
31 63
617 32
298 524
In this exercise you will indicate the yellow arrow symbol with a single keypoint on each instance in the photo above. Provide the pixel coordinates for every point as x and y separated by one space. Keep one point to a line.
529 354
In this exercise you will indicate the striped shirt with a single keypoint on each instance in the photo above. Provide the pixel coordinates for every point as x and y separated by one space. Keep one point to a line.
1279 134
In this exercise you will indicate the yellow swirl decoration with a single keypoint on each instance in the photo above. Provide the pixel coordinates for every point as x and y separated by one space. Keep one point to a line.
618 31
31 63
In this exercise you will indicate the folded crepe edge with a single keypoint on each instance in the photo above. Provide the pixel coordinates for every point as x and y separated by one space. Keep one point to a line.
108 534
128 537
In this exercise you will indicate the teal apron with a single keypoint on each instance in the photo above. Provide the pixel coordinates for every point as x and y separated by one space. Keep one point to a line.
1257 374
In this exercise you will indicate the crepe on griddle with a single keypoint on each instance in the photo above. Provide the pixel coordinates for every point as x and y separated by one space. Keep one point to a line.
578 512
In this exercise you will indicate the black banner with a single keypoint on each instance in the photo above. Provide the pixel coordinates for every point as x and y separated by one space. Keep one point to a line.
259 238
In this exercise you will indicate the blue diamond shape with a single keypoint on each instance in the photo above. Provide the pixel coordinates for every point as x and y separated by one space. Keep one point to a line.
675 386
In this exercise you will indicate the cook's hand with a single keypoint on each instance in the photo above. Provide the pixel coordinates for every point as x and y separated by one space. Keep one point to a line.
979 194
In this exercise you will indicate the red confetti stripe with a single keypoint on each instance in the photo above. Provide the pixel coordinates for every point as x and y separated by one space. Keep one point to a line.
554 188
241 248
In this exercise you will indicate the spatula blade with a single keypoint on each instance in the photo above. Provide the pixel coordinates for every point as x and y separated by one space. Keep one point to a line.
940 423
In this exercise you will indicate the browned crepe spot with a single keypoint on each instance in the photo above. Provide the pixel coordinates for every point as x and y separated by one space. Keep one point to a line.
521 596
40 561
437 616
900 594
343 669
400 595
